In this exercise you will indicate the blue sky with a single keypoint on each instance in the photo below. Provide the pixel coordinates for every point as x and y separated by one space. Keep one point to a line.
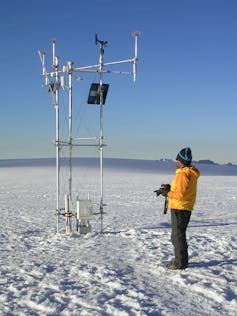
186 88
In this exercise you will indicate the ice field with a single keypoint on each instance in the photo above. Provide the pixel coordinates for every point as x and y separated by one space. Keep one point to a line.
120 271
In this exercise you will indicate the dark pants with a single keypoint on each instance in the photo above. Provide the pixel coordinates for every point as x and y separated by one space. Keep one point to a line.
179 222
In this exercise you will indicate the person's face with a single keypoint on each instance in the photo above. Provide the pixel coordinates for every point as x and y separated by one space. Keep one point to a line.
179 164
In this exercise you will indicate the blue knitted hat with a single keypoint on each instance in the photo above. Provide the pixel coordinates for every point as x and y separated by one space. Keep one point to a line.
185 156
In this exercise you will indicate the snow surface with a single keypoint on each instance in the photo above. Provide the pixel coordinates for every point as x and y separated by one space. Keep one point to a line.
122 270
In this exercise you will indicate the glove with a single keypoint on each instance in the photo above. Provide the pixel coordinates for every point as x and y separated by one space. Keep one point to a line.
163 190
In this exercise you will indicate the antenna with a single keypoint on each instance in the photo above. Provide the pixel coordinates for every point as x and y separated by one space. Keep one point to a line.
55 80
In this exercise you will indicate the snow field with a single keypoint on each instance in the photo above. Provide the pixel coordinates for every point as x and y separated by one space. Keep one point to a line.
122 270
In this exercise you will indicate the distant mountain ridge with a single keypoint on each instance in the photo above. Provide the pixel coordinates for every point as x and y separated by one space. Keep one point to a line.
204 161
206 167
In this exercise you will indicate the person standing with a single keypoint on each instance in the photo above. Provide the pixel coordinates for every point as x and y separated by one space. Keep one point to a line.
181 199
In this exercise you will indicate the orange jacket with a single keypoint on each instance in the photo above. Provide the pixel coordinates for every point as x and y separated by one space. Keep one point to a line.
182 194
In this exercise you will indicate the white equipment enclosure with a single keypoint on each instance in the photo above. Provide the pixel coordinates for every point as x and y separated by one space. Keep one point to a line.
82 209
84 214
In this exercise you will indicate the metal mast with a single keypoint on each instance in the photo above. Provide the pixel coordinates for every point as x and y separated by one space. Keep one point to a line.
70 71
55 88
101 136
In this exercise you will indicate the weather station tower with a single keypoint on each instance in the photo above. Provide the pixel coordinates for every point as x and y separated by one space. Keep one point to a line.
55 80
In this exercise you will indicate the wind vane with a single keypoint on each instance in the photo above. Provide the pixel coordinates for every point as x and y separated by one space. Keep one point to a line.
55 80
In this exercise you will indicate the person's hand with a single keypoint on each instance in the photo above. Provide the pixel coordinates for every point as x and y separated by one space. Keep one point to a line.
163 190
